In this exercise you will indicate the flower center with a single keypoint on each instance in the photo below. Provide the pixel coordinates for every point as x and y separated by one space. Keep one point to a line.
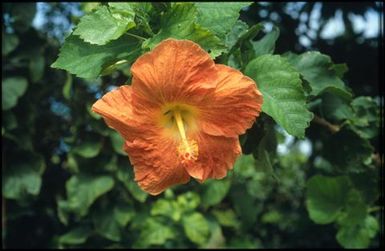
177 119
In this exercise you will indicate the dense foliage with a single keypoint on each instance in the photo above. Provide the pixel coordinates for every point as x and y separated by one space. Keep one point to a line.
67 183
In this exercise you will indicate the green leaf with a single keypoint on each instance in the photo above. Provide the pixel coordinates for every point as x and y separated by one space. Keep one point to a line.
123 214
87 61
273 217
88 149
317 69
326 197
196 228
355 209
352 153
83 190
179 23
215 191
226 218
284 99
216 240
12 89
358 236
9 43
245 166
334 108
238 30
188 201
366 119
36 67
167 208
117 142
221 19
154 233
104 25
266 45
23 177
127 178
76 236
106 224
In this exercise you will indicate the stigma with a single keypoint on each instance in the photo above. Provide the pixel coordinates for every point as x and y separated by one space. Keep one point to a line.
187 150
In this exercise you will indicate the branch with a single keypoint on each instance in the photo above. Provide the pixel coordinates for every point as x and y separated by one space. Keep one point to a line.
321 121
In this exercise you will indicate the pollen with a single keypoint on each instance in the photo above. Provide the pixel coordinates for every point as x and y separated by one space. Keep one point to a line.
187 150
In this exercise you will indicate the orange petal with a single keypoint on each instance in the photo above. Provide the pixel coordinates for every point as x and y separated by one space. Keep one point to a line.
116 109
217 155
175 70
234 108
155 161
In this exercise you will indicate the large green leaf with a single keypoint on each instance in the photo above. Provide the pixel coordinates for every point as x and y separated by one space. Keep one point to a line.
104 24
317 69
358 236
355 209
283 96
215 191
179 22
87 61
154 233
23 177
196 228
127 178
326 197
12 89
219 19
83 190
266 45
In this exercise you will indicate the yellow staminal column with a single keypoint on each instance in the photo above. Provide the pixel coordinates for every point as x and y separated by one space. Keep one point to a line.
188 150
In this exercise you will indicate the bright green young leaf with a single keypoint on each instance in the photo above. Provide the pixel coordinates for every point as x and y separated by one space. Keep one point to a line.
219 19
83 190
167 208
123 214
215 191
76 236
284 99
179 23
358 236
317 69
87 61
12 89
326 197
154 233
226 218
88 149
104 24
188 201
9 43
23 177
196 228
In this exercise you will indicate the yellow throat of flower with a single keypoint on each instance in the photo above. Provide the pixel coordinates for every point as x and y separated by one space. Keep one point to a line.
176 119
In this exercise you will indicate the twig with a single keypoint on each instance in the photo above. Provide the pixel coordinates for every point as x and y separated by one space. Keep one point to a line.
321 121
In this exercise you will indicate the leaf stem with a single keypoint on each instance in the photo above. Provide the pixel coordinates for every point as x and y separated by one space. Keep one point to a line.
321 121
135 36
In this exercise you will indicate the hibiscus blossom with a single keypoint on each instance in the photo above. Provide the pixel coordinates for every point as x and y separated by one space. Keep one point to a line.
181 116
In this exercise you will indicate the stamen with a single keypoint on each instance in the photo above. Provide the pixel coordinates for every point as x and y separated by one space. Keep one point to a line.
188 150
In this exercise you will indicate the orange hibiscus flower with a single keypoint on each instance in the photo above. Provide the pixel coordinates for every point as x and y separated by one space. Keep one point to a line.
181 116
